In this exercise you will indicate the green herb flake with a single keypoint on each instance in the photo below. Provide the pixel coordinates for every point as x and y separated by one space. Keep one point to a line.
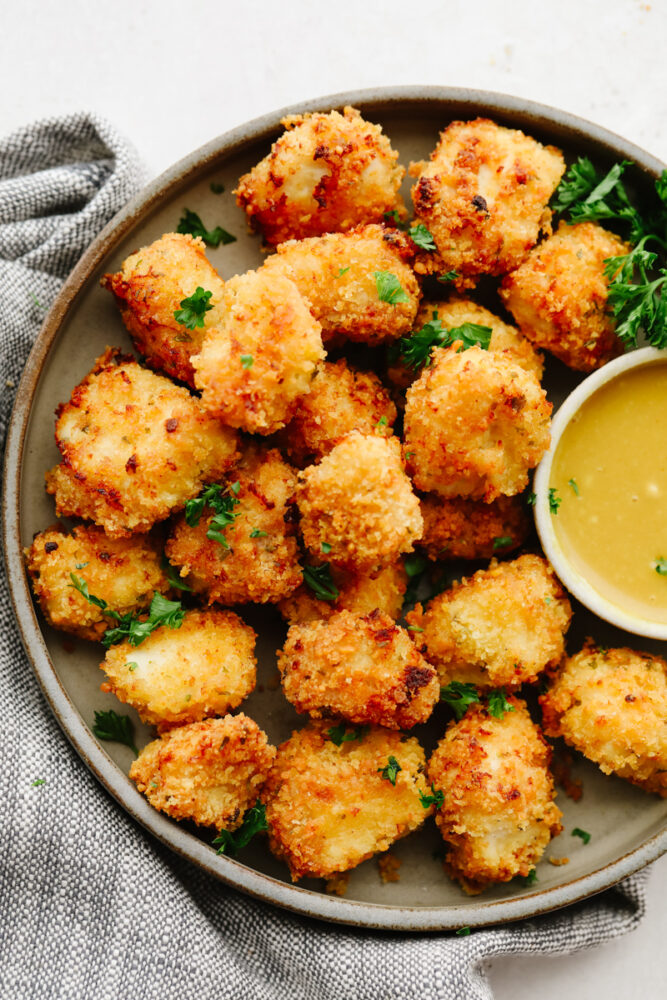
390 771
389 288
191 224
130 627
116 728
342 271
529 879
256 533
459 696
394 219
415 350
247 360
531 499
446 278
437 799
554 500
216 187
382 422
38 782
502 542
174 578
583 834
498 704
221 503
193 309
81 565
326 548
319 580
254 822
572 483
660 566
132 666
414 628
422 238
463 932
344 734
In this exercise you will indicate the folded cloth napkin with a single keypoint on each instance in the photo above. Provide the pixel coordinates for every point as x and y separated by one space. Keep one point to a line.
90 905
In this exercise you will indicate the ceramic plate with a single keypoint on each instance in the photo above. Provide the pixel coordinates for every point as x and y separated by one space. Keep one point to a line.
628 827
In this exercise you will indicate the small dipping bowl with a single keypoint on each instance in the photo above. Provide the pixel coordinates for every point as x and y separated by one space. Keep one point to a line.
614 504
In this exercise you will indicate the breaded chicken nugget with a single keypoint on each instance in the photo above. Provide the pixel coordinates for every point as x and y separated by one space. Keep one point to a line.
261 562
558 295
259 362
611 705
498 814
358 505
341 399
328 805
123 572
483 196
475 424
135 447
472 529
209 772
205 667
364 668
501 627
359 593
149 289
326 173
337 274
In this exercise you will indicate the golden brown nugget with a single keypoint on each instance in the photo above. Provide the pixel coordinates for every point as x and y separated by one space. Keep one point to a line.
209 772
501 627
336 273
124 572
559 295
483 197
329 807
135 447
363 668
475 424
341 399
359 593
326 173
259 362
498 814
471 529
261 562
205 667
611 705
357 505
149 289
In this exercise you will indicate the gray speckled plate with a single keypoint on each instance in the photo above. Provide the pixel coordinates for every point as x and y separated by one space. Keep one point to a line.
629 828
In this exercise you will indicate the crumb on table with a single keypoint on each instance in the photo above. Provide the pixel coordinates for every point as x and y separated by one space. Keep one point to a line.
388 866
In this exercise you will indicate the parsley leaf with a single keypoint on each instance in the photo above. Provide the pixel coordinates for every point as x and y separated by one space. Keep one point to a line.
117 728
174 578
390 772
192 311
587 196
254 822
191 224
342 271
394 219
216 187
572 483
498 704
130 627
415 350
326 548
82 587
462 932
502 542
415 566
531 499
578 832
320 581
37 782
221 503
437 799
446 278
661 566
343 734
459 696
422 238
389 288
257 533
636 301
247 360
530 878
554 500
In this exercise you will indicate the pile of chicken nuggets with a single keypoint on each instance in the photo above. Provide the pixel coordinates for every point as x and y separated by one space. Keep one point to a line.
276 443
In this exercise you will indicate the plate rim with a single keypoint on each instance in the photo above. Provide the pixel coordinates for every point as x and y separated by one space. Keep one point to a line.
240 877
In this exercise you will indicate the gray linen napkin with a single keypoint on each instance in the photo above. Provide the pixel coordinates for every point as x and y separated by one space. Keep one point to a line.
90 905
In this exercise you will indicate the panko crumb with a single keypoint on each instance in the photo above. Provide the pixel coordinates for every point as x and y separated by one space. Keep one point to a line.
471 529
359 593
561 768
338 885
557 862
388 866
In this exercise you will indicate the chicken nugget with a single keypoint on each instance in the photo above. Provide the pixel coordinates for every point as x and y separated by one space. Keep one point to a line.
471 529
135 447
501 627
150 287
559 295
357 505
335 797
122 572
359 593
210 772
337 273
205 667
475 424
254 556
259 362
611 705
483 197
498 813
326 173
364 668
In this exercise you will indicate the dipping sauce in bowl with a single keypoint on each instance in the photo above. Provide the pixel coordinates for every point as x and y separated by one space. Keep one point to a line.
601 493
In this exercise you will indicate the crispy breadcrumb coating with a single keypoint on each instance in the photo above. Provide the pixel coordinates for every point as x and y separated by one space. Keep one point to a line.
205 667
483 196
261 563
359 593
611 705
341 399
364 668
124 572
209 772
149 289
326 173
359 503
558 295
498 814
135 447
329 808
336 273
471 529
501 627
475 424
254 368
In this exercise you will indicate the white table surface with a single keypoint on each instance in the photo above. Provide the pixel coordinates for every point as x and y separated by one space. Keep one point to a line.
173 75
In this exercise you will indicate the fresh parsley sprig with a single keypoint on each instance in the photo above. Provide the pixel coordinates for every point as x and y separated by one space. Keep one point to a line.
586 196
116 728
415 350
460 696
130 628
174 579
389 288
222 503
390 771
190 223
319 580
636 299
254 822
437 799
344 734
497 703
194 309
422 238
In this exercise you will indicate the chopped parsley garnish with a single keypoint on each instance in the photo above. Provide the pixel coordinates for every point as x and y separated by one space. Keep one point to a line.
390 771
572 483
174 578
588 197
382 422
35 301
422 238
498 704
130 628
254 822
247 360
531 499
462 932
636 301
221 503
437 799
191 224
415 350
502 542
578 832
326 548
415 566
320 581
661 566
132 666
459 696
81 565
257 533
342 271
344 734
554 500
414 628
192 311
389 288
37 782
216 187
530 878
117 728
394 219
449 276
